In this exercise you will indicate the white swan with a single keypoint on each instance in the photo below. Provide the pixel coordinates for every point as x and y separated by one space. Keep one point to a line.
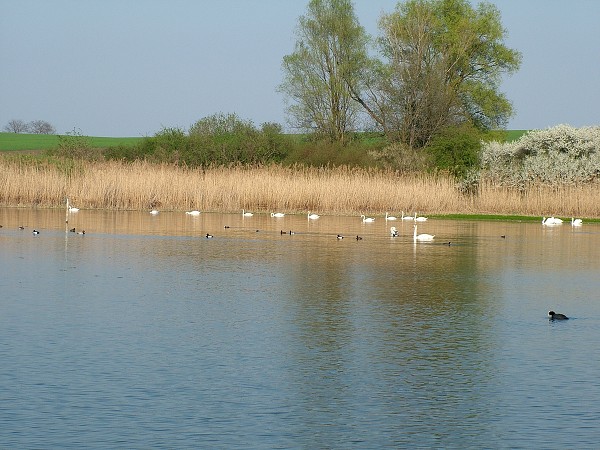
389 217
70 208
422 237
154 212
313 216
367 219
551 221
419 218
576 222
193 213
407 217
393 232
247 213
277 214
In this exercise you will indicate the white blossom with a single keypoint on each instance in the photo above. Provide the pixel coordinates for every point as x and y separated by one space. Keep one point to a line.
556 155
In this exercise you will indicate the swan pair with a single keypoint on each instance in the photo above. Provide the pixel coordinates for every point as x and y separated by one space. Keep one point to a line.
415 217
424 237
393 232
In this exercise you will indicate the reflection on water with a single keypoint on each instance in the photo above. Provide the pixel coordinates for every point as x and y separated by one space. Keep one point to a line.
143 333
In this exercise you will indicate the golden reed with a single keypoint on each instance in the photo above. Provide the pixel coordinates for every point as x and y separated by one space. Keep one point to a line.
344 191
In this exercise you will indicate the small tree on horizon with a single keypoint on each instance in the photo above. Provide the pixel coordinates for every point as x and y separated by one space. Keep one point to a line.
40 127
16 126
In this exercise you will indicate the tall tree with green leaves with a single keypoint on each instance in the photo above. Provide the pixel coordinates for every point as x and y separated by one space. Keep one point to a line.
329 56
442 65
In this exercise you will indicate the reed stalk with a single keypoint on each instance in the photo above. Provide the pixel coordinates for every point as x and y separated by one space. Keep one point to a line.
344 191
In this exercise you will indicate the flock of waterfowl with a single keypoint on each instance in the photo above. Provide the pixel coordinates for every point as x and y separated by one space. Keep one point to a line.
417 237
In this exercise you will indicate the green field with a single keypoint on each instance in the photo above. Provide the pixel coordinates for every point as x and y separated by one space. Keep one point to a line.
31 142
513 135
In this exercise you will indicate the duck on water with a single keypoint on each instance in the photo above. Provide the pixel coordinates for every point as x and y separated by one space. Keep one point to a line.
556 316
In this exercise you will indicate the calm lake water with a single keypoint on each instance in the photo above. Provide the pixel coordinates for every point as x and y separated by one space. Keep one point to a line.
143 333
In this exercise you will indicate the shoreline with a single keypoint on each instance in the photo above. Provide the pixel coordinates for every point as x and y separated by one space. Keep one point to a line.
472 217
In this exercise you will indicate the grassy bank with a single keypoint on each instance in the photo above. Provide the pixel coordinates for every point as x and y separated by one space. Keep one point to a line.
140 185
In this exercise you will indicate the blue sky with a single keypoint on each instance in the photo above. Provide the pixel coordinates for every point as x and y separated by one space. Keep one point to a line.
130 68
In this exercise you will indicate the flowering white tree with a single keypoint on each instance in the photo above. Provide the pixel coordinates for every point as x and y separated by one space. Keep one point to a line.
556 155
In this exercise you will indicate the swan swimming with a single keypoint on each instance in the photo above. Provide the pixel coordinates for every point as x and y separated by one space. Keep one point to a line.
552 221
576 222
407 217
419 218
277 214
367 219
193 213
390 217
422 237
247 213
71 208
313 216
154 212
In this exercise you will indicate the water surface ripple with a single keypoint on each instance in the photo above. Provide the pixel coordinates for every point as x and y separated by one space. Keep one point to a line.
144 334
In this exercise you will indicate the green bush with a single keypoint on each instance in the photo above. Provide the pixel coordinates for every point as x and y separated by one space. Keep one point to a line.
225 139
401 157
311 151
456 150
74 145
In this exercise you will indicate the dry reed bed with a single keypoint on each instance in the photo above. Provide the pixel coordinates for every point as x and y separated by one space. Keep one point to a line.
140 185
